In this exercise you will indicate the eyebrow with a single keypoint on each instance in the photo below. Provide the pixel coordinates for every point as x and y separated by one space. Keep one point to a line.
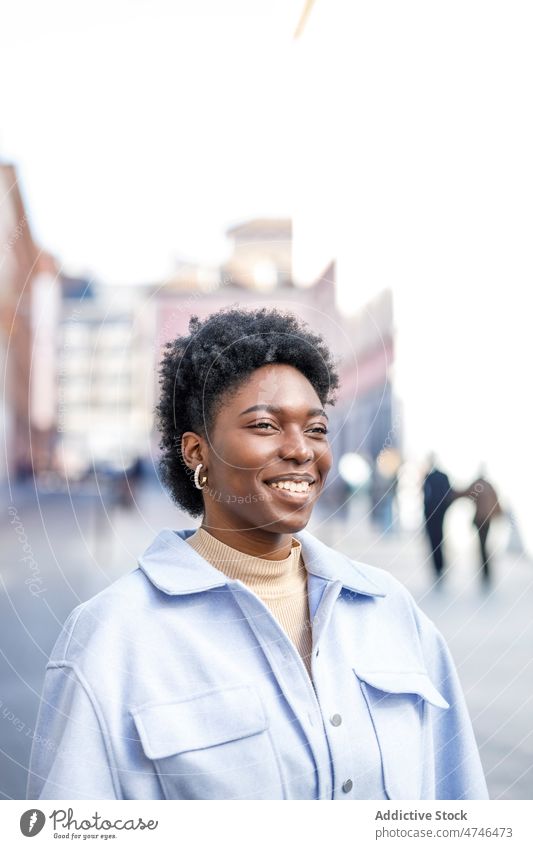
271 408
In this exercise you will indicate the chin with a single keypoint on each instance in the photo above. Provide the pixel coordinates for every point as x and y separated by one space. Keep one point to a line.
290 524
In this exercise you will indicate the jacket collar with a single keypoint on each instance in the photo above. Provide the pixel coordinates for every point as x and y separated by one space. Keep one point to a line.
176 568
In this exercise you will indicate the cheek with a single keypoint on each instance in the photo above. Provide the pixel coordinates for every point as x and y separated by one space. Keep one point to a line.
325 460
245 454
236 460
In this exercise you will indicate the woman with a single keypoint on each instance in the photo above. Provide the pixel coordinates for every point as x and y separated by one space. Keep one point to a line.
246 659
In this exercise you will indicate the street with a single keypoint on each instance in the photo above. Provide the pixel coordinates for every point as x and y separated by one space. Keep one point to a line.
58 551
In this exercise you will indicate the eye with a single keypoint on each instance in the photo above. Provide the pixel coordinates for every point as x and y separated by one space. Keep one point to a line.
263 425
320 429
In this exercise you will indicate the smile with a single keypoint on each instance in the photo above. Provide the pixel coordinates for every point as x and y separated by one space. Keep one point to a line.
294 489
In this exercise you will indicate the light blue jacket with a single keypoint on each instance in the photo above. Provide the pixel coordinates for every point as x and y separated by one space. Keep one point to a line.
177 682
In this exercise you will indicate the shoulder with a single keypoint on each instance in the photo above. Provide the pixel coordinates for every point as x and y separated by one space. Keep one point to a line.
356 575
395 627
106 616
397 606
402 637
131 611
396 596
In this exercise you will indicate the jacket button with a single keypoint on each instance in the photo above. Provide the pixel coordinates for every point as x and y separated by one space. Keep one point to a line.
347 786
336 719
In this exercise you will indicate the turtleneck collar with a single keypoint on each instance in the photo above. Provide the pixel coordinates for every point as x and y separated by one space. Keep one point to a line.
267 578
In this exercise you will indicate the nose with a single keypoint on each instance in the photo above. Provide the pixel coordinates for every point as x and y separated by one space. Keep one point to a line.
296 447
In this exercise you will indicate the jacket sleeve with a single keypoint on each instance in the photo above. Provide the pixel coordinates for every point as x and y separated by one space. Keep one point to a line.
71 757
455 770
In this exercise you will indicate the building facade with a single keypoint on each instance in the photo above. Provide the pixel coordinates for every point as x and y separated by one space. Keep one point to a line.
363 420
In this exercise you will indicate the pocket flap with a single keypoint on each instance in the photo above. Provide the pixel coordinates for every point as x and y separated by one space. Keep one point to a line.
404 682
204 720
397 702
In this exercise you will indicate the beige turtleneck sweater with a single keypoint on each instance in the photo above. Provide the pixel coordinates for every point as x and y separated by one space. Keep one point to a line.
280 584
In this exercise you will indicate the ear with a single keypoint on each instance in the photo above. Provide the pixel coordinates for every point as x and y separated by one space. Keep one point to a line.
194 449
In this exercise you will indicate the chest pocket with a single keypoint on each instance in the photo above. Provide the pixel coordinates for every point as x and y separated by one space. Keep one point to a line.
398 703
215 745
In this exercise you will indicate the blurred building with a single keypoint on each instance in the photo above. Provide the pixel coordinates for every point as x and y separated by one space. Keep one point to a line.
367 416
104 378
259 274
45 313
262 254
78 365
23 270
82 358
258 246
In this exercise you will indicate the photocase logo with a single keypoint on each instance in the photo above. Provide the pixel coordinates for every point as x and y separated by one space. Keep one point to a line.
32 822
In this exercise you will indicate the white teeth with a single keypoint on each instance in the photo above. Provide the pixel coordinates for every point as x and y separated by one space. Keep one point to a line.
292 486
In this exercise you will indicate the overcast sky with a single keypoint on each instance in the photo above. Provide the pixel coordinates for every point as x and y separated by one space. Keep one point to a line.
143 129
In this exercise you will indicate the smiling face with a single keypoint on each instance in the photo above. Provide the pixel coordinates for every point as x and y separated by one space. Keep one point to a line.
267 457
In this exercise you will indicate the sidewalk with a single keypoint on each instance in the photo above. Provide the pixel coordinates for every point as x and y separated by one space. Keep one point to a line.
79 545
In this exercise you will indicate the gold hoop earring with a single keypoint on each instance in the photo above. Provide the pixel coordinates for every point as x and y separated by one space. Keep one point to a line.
197 483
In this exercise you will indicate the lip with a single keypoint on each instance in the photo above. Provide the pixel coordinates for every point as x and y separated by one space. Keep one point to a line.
294 477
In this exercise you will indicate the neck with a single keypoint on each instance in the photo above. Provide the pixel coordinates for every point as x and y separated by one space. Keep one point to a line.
255 542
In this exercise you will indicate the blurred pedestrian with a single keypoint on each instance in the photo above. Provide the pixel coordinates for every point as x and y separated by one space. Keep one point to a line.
488 507
438 495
